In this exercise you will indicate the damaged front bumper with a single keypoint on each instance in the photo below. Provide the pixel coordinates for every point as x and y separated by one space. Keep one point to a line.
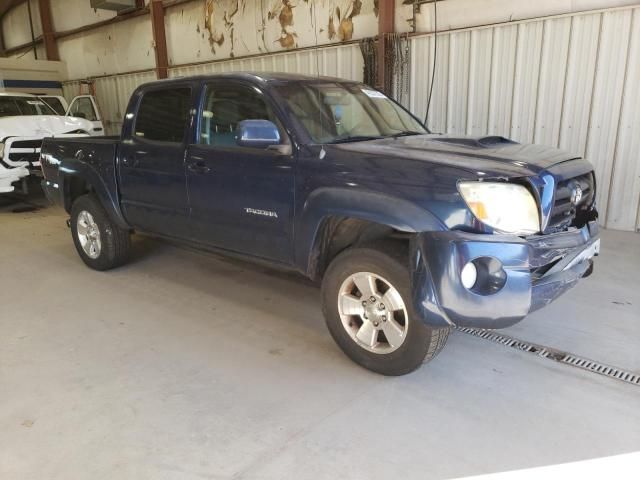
9 176
515 276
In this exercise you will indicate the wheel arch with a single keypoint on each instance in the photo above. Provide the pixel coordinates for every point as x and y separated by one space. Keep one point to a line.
335 218
82 180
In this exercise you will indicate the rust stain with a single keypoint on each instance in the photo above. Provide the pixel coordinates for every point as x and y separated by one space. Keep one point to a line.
287 40
356 7
345 30
218 21
286 14
331 30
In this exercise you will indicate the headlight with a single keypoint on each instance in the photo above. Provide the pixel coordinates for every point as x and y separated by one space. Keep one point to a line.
506 207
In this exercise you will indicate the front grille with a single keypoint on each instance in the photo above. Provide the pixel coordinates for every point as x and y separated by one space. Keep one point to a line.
564 212
26 144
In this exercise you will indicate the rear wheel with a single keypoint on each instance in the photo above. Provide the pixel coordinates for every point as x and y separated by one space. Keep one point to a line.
101 244
367 306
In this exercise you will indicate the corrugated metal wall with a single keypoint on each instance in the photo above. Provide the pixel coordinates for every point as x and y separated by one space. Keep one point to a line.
344 61
570 81
113 92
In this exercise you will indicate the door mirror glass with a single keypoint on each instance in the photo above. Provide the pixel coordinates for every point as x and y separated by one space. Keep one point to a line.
257 134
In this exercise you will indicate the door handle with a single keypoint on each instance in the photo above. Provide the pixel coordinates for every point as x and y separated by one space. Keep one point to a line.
198 167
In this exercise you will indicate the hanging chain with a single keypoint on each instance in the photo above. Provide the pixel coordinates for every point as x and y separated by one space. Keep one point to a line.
397 56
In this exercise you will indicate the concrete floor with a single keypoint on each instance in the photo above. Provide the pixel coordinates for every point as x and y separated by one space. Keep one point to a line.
185 366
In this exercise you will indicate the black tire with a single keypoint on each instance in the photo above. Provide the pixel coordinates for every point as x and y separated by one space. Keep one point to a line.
421 342
115 241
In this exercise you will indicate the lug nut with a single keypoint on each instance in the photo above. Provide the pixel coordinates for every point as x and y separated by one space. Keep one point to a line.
381 306
384 318
375 324
364 304
372 299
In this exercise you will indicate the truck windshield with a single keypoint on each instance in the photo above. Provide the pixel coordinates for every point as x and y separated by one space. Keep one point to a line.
11 106
345 112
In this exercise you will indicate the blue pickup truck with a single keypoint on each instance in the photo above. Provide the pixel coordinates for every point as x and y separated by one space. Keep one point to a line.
410 233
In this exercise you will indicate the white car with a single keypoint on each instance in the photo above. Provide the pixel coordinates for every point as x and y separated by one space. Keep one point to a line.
26 119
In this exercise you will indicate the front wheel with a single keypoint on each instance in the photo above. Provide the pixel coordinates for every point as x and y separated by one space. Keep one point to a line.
101 244
367 306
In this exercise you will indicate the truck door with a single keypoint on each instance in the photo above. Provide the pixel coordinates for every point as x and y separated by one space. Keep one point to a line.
85 106
151 161
241 198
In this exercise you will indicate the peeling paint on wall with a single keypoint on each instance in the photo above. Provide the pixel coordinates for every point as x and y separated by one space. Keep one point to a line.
276 22
218 29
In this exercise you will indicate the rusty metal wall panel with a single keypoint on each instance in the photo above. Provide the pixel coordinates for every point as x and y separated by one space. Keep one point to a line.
568 81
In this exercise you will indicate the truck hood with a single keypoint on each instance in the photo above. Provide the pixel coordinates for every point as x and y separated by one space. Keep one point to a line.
486 156
41 126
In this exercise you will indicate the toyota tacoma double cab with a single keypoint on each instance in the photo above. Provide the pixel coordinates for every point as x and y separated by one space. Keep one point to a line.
410 233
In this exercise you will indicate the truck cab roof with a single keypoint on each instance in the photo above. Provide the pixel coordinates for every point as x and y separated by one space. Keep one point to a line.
16 94
260 77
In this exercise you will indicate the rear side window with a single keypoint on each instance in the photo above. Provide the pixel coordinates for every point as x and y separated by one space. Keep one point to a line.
163 115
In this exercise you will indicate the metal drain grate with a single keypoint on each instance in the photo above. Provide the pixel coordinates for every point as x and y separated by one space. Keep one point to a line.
557 355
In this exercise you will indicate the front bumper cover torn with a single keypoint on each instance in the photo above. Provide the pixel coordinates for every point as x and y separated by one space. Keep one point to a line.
538 270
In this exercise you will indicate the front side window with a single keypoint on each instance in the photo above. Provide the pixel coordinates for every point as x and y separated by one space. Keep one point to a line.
12 106
55 104
163 115
225 106
337 112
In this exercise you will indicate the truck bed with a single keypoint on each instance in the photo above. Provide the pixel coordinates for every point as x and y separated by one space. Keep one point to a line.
95 156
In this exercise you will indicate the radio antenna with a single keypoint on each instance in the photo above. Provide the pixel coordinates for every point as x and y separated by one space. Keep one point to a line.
435 56
315 32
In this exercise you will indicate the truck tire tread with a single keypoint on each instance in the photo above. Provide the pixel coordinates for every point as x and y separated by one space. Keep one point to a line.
423 343
116 242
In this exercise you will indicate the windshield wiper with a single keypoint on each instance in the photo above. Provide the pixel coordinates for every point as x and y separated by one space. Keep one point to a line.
356 138
406 133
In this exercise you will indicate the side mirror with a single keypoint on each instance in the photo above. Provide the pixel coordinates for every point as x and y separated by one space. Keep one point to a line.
257 134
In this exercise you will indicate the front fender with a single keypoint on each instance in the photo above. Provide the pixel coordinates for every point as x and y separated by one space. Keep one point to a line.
375 207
